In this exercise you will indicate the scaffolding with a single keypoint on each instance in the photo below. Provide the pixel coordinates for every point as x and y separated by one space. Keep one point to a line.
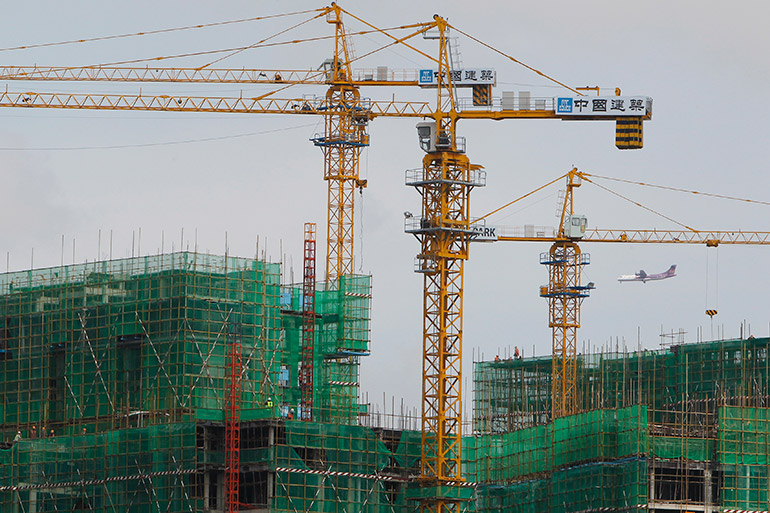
120 379
681 428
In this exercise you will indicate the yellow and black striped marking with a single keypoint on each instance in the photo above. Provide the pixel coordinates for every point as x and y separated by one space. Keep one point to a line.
482 95
711 313
628 133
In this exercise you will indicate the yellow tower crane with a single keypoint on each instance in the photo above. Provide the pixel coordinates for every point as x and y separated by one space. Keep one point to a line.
344 137
445 181
444 230
565 291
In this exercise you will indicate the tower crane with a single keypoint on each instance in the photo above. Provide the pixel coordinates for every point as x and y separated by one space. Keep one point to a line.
444 231
445 181
565 291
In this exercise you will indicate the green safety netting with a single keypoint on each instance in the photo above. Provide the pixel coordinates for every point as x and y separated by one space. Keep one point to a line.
571 464
325 467
683 413
125 470
126 360
744 452
572 440
745 487
111 339
682 384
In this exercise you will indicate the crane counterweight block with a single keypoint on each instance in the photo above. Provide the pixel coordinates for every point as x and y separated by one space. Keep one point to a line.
629 133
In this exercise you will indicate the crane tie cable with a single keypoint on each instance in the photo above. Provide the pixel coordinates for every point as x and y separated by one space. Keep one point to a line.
711 195
516 61
235 48
585 176
519 198
640 205
322 13
151 32
153 144
206 52
383 31
421 26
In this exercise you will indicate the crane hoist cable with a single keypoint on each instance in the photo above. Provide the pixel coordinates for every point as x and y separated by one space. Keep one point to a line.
716 283
153 32
361 215
711 311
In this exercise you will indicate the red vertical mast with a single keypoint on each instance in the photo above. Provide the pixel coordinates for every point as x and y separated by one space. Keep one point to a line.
233 418
308 324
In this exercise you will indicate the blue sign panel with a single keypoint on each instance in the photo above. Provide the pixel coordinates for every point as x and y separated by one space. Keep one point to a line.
564 105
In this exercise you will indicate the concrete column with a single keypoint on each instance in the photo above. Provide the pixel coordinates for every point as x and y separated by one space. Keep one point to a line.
206 484
708 497
651 483
270 474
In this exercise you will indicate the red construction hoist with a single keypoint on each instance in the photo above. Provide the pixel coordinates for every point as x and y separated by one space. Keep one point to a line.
233 418
308 325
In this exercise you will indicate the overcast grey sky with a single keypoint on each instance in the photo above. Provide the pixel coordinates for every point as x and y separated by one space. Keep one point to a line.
704 64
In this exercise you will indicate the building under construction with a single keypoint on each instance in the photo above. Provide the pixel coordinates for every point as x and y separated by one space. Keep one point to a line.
686 428
118 389
115 374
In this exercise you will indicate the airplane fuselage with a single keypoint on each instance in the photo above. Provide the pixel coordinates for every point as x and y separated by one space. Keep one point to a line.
644 277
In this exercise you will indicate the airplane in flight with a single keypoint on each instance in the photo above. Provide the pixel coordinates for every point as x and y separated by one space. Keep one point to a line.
644 277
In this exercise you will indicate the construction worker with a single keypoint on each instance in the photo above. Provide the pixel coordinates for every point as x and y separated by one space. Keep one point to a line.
269 403
33 432
17 437
291 414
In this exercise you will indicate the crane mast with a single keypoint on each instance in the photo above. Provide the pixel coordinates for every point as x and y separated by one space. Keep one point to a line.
344 138
564 294
443 230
